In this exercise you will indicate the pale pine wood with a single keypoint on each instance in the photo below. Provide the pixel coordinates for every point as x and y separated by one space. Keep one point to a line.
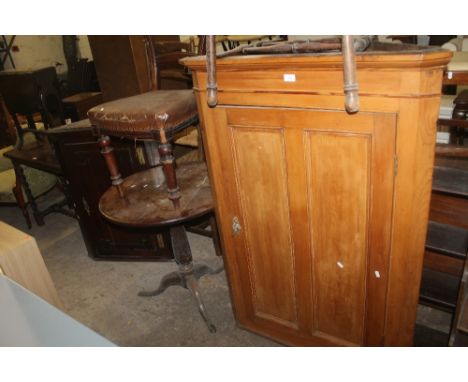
263 144
339 187
21 261
339 244
265 204
413 185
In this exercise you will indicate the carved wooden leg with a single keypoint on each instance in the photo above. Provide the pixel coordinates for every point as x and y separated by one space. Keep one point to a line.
19 133
187 275
168 163
38 216
108 153
18 193
32 125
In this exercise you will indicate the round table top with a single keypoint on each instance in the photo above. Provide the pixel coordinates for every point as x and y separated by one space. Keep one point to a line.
146 203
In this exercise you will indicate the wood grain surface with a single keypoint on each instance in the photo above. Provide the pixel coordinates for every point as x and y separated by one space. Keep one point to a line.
22 262
333 207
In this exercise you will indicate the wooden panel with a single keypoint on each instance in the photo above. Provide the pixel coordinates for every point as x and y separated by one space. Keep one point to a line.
365 141
120 63
442 263
21 261
308 101
394 164
449 210
338 187
409 84
415 150
264 199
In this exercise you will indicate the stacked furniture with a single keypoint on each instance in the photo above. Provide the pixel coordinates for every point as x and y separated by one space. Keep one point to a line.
84 168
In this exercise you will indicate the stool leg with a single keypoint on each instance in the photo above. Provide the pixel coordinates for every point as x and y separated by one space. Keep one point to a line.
108 153
168 163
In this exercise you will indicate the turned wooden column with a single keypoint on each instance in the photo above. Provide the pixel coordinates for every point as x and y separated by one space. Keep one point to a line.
168 162
107 151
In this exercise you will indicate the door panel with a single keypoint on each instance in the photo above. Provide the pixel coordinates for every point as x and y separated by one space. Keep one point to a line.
313 193
259 153
338 172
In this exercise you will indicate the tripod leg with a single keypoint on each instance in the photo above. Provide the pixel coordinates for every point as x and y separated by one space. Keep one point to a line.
183 257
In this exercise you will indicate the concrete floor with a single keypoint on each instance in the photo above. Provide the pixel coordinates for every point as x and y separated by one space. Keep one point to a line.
103 294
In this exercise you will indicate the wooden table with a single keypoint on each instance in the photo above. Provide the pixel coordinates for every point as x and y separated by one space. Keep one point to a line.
145 204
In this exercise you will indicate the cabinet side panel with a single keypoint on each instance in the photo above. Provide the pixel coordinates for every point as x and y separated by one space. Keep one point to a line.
415 150
262 182
338 187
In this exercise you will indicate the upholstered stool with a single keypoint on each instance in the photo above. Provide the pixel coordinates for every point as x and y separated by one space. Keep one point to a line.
146 199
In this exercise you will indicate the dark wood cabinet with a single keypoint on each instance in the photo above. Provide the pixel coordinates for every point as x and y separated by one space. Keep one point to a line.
26 92
124 69
88 178
121 65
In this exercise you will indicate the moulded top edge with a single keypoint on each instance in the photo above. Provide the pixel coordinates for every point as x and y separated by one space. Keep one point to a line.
417 58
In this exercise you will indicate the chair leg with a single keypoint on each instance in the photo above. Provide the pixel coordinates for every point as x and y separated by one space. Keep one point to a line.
19 133
18 193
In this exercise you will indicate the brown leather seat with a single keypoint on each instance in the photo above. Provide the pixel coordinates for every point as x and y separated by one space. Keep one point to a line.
145 115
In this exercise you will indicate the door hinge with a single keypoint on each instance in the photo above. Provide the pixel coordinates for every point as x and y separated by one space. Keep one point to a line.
395 165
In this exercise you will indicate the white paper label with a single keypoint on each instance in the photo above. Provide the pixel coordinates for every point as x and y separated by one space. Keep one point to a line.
289 77
449 75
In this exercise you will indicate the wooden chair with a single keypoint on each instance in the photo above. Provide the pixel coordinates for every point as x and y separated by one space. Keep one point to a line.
173 198
170 74
20 185
34 95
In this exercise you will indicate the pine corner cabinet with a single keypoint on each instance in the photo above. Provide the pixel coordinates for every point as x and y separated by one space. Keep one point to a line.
323 214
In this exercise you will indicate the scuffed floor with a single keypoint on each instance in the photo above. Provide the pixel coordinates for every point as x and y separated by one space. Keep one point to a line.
103 294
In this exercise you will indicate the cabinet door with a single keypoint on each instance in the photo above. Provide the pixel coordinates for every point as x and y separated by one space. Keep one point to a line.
81 160
304 201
